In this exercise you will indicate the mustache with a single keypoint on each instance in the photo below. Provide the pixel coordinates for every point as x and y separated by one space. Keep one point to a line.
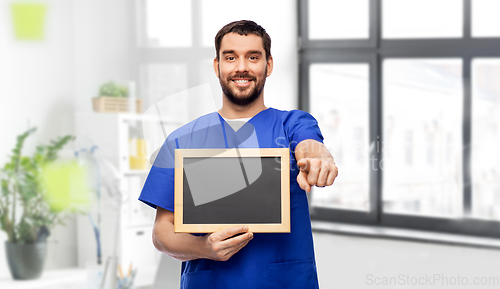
241 75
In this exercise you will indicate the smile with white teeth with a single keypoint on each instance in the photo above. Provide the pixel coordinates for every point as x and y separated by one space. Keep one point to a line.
241 81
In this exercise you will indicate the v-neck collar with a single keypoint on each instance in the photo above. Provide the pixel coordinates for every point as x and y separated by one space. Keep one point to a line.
260 112
227 129
223 121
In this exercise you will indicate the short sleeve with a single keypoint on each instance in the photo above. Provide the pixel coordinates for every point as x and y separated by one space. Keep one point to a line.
158 190
300 125
204 132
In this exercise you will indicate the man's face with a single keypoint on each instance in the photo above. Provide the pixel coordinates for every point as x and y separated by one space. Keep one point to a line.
242 67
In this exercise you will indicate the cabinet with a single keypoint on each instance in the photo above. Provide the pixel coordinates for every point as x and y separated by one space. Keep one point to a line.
126 224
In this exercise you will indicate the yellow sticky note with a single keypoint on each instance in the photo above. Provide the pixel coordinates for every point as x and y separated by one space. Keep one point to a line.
29 20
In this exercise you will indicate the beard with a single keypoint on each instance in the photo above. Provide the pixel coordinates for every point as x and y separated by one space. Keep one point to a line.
242 99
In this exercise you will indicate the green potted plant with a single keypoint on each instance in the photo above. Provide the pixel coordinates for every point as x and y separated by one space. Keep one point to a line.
114 98
25 214
111 89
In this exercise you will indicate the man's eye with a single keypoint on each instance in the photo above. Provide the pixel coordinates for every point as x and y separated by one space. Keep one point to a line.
253 57
230 58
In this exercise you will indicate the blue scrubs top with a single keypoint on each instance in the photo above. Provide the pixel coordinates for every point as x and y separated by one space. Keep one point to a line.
269 260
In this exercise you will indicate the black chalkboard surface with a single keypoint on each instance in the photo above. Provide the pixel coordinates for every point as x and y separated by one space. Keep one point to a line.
216 189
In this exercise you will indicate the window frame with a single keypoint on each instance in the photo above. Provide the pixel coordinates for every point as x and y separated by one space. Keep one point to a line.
374 51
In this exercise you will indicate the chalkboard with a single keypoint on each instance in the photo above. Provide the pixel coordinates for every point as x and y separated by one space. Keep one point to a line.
216 189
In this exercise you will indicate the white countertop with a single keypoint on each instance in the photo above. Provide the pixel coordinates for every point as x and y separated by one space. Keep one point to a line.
73 278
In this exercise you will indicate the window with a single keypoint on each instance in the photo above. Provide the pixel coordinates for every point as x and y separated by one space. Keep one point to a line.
159 16
485 20
343 114
422 18
420 94
422 105
485 139
217 13
338 19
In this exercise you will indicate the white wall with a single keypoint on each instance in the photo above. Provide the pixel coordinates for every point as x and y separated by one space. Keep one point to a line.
44 82
102 31
37 90
364 262
37 78
346 261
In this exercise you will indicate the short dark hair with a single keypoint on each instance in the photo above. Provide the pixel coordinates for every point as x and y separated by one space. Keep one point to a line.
244 27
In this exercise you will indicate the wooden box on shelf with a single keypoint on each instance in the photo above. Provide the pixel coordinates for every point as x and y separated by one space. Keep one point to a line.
114 104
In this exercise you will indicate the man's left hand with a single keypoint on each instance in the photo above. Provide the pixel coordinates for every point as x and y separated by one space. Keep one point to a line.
316 172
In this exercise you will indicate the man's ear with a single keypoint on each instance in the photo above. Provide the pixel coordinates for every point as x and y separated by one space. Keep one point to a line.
269 66
216 67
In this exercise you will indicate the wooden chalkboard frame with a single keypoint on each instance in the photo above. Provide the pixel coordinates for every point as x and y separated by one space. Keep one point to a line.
283 153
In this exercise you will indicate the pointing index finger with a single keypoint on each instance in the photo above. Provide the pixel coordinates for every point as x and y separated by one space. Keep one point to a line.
303 164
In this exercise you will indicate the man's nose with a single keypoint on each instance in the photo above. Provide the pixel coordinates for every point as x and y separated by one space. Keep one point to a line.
242 65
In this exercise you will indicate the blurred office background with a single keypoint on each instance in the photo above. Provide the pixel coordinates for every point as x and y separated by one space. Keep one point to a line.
406 94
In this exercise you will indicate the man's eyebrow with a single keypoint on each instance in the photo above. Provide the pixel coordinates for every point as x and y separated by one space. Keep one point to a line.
249 52
255 52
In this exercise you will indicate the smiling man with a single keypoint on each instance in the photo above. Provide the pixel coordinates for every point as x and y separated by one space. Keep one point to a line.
242 67
237 258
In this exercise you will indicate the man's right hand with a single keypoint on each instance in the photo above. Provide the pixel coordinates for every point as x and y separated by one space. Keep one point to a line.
223 245
218 246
